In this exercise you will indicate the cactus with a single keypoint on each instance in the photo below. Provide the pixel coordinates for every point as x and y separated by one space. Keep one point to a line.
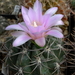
3 24
7 6
70 43
73 3
30 60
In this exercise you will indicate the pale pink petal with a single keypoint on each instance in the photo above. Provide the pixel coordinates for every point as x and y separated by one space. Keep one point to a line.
53 20
24 10
40 28
59 23
51 11
35 29
31 15
57 28
55 33
38 10
31 28
37 32
25 15
21 40
18 33
37 7
45 18
26 19
23 23
23 26
14 26
40 41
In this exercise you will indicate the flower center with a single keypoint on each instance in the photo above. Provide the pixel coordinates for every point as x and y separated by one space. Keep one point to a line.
35 24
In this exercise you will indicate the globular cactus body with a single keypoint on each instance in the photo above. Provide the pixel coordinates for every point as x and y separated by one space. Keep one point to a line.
7 6
30 60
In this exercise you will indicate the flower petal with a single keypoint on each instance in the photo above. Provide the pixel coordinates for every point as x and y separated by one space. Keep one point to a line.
40 41
14 26
36 29
17 33
37 7
59 23
53 20
21 40
38 10
51 11
55 33
32 28
25 15
31 14
56 28
23 26
24 10
45 18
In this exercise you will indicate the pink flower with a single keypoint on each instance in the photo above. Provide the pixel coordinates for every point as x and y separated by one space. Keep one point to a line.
37 26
